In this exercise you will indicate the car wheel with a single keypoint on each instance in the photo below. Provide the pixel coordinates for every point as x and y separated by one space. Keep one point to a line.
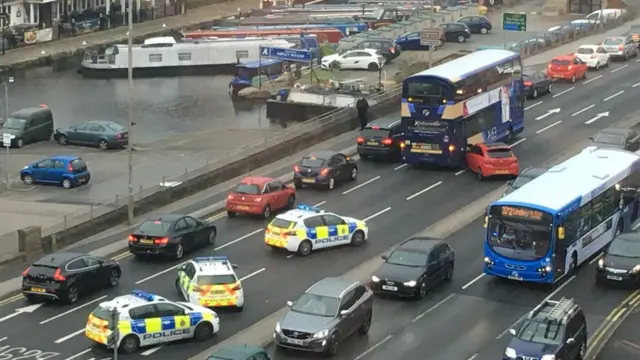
535 93
422 290
72 295
266 212
479 174
372 67
461 39
597 66
212 237
583 351
584 75
626 56
66 183
366 324
354 174
332 184
103 145
62 140
549 88
357 238
449 275
20 143
332 345
129 344
178 288
291 202
305 248
27 179
297 184
203 332
179 252
231 214
114 277
573 78
484 31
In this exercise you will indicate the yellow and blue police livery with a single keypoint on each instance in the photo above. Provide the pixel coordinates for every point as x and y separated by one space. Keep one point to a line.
140 319
210 282
307 228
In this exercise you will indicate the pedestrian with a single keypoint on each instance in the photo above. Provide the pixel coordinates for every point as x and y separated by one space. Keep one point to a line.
362 106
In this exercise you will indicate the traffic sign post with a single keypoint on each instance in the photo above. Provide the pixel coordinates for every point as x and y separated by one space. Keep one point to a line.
430 37
6 142
513 22
287 54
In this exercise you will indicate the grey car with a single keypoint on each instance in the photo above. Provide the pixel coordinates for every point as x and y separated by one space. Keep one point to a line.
102 134
325 315
617 138
620 47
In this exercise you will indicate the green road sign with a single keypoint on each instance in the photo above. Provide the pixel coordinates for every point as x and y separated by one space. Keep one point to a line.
514 22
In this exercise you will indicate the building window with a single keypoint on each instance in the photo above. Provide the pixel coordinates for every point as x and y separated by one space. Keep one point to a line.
242 54
184 56
155 58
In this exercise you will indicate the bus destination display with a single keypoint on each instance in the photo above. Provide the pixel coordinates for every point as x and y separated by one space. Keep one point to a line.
522 213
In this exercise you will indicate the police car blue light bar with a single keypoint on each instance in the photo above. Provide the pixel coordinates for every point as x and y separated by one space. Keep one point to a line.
211 258
143 295
310 208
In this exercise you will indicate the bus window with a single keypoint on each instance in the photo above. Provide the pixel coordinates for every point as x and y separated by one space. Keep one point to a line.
428 93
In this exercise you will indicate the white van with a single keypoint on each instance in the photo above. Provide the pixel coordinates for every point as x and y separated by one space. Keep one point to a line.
608 14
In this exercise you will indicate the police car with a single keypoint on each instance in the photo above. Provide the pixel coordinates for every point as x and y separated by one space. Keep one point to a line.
210 282
307 228
143 319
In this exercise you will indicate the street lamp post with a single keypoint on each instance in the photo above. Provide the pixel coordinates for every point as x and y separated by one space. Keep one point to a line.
6 111
130 123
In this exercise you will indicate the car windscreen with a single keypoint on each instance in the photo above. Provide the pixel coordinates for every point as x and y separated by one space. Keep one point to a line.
499 153
585 51
312 162
281 223
549 333
616 41
215 279
407 258
154 228
14 123
560 62
610 139
248 189
625 247
319 305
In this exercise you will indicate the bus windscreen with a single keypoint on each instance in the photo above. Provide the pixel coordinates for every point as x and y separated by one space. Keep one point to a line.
519 233
424 92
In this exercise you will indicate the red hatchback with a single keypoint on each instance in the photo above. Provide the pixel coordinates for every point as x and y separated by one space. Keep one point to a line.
492 160
260 195
567 67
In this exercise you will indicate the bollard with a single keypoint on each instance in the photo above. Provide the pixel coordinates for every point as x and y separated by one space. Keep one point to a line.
54 243
91 211
65 223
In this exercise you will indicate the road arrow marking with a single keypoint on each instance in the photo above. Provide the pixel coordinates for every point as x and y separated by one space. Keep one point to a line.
598 116
549 112
26 309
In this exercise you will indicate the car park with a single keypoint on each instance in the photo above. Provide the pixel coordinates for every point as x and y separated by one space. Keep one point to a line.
476 24
620 261
567 67
324 169
617 138
67 171
385 47
456 31
525 176
594 56
381 138
102 134
260 195
620 47
29 126
536 83
486 160
366 59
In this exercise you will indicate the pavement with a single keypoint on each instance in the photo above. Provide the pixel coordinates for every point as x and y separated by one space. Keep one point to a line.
465 319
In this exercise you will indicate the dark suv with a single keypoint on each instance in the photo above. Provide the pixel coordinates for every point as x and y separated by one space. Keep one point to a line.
381 138
325 315
554 329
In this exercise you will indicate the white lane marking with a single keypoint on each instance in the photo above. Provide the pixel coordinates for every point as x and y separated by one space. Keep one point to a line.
78 354
63 339
548 127
150 351
595 118
592 79
320 203
72 310
638 60
548 113
557 290
4 338
376 214
459 172
583 110
376 345
533 105
400 167
177 266
473 281
563 92
474 356
361 185
614 95
620 68
424 190
252 274
417 318
290 256
635 85
518 142
637 226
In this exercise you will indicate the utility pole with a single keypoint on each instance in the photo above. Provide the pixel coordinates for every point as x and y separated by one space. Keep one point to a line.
130 124
115 334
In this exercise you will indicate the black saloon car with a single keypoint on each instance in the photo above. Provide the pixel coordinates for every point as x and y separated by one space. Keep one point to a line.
65 276
476 24
617 138
324 169
620 262
415 266
380 138
102 134
171 235
524 178
536 83
456 31
386 47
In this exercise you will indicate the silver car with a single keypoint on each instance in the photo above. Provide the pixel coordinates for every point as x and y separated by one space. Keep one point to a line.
325 315
621 47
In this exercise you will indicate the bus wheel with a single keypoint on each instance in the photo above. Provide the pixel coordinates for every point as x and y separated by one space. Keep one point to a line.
512 135
574 264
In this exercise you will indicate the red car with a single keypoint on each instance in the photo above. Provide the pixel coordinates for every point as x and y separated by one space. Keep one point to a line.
260 195
567 67
491 160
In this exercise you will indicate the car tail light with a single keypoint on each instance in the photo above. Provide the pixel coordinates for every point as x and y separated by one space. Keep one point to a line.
452 148
387 141
375 127
161 241
196 288
360 140
230 197
132 239
324 172
57 276
118 136
392 50
528 83
296 168
621 47
26 271
69 168
237 287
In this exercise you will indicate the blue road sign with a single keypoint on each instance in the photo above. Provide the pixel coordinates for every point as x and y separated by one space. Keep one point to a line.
285 54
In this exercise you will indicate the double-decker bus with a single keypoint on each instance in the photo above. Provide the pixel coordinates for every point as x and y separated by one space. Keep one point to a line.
472 99
544 230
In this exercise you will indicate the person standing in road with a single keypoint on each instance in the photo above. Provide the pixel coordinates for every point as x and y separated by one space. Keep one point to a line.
362 106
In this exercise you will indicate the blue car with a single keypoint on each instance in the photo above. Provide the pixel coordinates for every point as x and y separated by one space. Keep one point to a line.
65 170
411 41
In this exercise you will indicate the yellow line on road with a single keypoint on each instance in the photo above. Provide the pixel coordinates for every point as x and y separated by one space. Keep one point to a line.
14 298
629 302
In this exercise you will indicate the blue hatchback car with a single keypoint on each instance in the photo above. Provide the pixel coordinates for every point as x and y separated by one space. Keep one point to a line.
65 170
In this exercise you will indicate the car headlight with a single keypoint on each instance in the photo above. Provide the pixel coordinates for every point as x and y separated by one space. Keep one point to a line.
411 283
321 334
375 278
278 327
510 353
635 270
601 262
548 357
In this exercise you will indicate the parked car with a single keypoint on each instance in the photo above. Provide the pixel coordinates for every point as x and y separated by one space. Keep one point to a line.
29 126
324 316
634 32
525 176
494 159
620 47
620 261
595 56
171 235
260 195
102 134
456 31
414 267
324 169
411 41
367 59
66 276
380 138
476 24
385 47
567 67
536 83
67 171
617 138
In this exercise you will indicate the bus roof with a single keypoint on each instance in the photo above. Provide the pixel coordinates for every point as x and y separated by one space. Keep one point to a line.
254 64
458 69
576 181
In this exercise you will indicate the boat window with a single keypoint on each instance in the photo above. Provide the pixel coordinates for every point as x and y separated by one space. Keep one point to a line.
242 54
184 56
155 57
